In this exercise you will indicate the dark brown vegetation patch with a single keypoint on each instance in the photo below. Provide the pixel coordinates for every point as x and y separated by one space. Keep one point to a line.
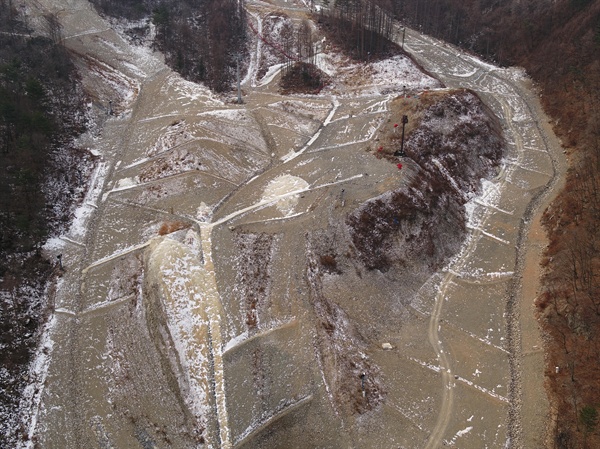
354 380
569 307
303 78
254 275
169 227
329 263
42 177
455 145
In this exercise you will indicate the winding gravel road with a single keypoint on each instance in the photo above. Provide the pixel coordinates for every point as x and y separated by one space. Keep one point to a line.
533 148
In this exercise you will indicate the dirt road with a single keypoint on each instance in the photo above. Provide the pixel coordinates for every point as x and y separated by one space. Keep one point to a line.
534 149
205 337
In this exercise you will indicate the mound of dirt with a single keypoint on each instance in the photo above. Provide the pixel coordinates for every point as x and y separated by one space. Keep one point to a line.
454 144
303 78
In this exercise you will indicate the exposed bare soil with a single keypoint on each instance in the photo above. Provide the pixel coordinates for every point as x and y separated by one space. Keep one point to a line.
286 314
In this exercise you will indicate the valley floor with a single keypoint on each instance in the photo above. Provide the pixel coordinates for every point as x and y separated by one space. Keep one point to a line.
207 335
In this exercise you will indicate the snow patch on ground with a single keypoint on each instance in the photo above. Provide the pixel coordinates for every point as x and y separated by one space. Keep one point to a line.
176 134
236 341
54 244
234 115
271 73
204 213
279 187
188 92
490 196
459 434
83 213
181 277
398 74
38 371
400 71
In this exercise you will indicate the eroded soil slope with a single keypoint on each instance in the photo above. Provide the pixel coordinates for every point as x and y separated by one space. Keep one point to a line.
269 277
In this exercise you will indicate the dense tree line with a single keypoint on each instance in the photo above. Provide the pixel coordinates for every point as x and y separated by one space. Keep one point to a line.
41 110
363 29
558 42
201 39
301 73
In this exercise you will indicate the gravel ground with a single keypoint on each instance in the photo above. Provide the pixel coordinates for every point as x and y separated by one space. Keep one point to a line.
304 351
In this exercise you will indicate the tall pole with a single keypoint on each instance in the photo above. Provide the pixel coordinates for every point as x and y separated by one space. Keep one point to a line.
403 36
401 152
404 122
239 87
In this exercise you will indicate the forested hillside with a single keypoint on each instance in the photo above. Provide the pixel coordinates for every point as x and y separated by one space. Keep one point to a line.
201 39
41 175
363 29
558 42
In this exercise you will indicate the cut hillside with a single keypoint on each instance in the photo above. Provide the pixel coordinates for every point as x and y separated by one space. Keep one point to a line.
454 143
279 39
558 43
365 267
195 37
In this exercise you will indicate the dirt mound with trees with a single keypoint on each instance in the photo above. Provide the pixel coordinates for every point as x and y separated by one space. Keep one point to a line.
303 78
454 144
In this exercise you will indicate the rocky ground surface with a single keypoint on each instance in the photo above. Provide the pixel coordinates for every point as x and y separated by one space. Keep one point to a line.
211 296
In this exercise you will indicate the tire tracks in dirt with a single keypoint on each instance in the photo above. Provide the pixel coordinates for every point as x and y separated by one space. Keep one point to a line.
514 432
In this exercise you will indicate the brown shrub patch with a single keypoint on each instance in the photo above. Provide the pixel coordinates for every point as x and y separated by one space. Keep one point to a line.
168 227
